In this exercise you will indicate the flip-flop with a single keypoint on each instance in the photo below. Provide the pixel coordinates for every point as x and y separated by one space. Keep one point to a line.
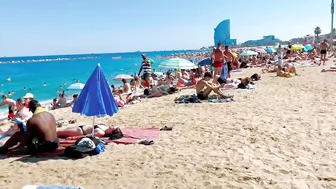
72 121
146 142
166 128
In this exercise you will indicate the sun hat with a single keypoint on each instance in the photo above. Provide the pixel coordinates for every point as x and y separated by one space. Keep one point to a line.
28 95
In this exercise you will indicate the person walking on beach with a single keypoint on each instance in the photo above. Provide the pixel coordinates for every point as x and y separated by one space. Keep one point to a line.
324 47
229 60
218 59
280 54
146 68
11 105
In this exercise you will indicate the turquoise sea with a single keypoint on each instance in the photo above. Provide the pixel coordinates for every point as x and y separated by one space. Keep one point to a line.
28 74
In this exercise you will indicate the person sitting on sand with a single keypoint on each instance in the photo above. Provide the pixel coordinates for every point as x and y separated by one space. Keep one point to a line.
22 112
28 97
40 134
126 87
61 102
74 100
205 86
76 132
22 115
11 105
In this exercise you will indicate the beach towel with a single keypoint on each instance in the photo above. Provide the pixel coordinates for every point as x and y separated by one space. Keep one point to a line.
303 64
186 99
50 187
130 136
329 70
238 70
217 99
134 135
23 153
249 87
225 71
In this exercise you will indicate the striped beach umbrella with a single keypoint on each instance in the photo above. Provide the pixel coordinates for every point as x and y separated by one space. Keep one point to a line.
178 63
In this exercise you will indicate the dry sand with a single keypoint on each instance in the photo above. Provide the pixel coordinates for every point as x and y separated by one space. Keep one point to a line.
280 135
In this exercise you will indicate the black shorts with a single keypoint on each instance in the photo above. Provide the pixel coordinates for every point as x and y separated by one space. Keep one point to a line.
43 146
10 109
229 66
201 96
146 76
288 52
323 52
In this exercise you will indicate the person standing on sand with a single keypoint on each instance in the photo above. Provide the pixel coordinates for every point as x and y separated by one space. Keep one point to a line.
39 135
229 60
324 47
218 58
11 105
146 68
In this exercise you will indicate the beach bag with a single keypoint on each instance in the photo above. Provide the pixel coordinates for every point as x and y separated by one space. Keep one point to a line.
84 147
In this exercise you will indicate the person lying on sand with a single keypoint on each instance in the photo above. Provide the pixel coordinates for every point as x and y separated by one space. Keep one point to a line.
289 71
40 134
205 86
76 132
154 91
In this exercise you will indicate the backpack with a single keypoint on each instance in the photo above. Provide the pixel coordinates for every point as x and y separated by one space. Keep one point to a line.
77 151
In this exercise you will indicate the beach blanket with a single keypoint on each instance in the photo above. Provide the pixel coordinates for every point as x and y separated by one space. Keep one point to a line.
249 87
134 135
130 136
217 99
329 70
225 71
238 70
23 153
186 99
303 64
50 187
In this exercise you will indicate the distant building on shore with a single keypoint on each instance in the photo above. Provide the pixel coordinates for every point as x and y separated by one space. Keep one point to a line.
265 41
222 34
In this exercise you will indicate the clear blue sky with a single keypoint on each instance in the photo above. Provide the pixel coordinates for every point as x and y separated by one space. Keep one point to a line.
39 27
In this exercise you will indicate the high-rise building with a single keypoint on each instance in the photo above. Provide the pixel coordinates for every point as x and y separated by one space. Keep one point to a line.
222 34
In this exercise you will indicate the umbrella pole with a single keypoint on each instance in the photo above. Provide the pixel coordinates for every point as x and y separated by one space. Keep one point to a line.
93 123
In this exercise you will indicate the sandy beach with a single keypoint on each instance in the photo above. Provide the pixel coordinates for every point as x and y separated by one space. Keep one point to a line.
280 135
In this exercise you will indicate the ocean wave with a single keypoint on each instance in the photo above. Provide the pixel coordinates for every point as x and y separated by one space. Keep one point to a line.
48 60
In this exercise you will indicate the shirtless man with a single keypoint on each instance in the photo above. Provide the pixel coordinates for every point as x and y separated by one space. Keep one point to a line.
229 59
324 47
11 105
205 86
218 58
40 133
126 86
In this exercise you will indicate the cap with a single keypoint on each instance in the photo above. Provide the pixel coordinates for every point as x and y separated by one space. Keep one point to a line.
28 95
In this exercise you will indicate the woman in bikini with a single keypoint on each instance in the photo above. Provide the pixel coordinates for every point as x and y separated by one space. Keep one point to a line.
75 132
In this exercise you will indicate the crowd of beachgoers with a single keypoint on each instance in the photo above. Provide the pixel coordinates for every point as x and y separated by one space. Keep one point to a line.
212 77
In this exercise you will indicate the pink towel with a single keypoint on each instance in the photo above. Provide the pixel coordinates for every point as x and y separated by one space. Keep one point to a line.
133 135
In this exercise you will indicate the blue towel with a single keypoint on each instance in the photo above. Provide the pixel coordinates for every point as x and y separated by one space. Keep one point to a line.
3 136
224 71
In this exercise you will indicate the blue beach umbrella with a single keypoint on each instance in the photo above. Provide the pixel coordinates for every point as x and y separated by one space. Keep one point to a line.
96 98
206 61
270 50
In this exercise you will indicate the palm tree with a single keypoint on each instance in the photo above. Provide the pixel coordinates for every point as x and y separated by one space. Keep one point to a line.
317 32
